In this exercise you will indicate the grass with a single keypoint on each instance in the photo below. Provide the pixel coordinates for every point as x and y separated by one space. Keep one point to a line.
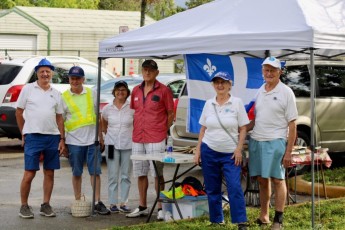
332 177
329 214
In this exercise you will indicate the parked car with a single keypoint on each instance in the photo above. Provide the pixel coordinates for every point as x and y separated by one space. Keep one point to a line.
108 86
329 105
14 74
174 81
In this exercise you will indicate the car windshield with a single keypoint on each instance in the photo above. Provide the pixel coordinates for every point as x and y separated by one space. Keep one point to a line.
91 73
131 81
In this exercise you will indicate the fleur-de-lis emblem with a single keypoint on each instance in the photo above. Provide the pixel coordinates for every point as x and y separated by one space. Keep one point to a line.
209 68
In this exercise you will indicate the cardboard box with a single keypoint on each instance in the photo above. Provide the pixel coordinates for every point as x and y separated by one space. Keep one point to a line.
190 207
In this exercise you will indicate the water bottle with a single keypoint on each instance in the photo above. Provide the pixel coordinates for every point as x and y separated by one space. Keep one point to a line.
169 146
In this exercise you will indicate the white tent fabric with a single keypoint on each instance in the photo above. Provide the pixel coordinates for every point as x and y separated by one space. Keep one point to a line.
285 28
248 26
288 29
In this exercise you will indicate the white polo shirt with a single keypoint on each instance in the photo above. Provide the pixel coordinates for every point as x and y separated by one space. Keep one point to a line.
120 125
82 136
273 111
40 109
232 115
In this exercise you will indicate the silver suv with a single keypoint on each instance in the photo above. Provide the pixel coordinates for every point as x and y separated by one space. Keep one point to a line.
329 105
14 74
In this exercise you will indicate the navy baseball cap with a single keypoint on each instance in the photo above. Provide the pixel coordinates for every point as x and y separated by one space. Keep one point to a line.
119 83
150 63
76 71
223 75
46 63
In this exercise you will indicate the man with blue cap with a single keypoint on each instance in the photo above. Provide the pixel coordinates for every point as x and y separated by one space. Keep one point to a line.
79 106
42 133
272 140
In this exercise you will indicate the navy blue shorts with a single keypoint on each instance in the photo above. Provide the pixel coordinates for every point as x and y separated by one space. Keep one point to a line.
78 155
35 144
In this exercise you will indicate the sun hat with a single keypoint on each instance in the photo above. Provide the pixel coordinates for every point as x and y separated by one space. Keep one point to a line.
76 71
272 61
223 75
150 63
46 63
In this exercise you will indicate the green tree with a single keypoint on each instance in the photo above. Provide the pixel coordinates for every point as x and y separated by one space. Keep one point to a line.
124 5
194 3
85 4
162 9
8 4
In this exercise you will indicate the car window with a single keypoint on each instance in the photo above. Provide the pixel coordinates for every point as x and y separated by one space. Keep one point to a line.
298 79
184 90
91 74
8 73
331 80
176 87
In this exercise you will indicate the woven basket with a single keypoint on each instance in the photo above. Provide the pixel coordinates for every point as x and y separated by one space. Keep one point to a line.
81 208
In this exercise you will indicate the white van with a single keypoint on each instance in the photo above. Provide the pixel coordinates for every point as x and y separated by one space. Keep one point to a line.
329 105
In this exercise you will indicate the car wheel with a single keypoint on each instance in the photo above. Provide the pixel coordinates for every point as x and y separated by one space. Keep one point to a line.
303 139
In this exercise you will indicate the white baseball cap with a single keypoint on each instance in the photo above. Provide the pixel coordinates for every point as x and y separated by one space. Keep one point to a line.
272 61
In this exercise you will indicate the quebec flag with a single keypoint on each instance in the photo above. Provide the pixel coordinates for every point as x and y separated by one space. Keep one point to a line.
200 68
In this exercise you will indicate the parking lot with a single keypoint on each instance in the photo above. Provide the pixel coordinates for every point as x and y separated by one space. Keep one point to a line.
11 170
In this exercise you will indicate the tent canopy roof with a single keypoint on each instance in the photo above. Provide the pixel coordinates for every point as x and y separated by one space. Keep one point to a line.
245 26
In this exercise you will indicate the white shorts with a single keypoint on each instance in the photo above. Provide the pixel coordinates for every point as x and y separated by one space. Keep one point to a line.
141 168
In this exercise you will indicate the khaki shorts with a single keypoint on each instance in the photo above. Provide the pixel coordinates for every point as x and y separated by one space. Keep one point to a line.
141 168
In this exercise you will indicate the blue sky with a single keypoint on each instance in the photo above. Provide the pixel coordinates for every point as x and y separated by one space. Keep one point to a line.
180 3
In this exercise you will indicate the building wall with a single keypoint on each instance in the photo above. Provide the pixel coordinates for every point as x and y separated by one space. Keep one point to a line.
68 43
14 24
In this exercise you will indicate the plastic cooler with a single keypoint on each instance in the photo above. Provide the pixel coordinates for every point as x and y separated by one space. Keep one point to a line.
190 207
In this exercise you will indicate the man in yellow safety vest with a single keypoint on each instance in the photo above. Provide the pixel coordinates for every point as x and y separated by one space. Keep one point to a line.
80 123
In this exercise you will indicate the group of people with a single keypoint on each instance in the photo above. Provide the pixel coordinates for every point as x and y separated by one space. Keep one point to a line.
64 124
224 126
54 124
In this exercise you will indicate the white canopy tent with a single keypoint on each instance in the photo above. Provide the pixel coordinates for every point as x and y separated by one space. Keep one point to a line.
287 29
239 26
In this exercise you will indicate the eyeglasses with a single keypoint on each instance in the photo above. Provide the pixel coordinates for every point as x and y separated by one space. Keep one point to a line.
121 90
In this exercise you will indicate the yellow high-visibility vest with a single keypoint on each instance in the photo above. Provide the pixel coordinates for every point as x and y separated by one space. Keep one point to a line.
81 108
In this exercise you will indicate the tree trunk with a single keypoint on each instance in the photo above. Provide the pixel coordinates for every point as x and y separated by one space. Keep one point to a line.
142 12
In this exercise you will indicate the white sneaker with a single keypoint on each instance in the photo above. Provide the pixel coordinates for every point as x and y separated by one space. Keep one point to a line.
160 215
137 213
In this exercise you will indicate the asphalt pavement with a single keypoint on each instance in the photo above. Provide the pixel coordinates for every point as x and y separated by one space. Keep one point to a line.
11 171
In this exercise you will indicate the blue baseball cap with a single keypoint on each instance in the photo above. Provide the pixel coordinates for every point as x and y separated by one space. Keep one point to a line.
44 63
223 75
76 71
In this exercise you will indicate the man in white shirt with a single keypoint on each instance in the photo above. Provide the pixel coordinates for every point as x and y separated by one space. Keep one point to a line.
272 139
79 106
42 132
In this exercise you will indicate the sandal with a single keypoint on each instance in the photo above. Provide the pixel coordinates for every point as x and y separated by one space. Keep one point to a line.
259 222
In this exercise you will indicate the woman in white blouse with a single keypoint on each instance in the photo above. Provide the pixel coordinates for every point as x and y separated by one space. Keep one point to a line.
223 130
117 124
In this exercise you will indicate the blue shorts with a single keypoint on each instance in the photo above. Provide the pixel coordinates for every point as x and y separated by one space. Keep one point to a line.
265 158
78 155
34 145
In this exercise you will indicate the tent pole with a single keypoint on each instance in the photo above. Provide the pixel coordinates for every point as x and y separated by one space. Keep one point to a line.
97 146
312 132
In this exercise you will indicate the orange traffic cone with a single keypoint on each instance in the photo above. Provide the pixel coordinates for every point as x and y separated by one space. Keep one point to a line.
131 68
